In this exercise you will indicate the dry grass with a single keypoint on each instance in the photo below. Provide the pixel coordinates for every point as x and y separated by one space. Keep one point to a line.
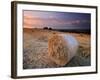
35 54
57 49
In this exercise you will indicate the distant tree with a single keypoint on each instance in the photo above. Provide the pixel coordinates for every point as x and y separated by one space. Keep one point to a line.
50 28
45 28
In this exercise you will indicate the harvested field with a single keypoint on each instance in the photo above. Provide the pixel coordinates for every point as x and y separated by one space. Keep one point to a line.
35 54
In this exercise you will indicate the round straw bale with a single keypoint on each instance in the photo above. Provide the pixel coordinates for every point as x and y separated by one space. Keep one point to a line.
61 48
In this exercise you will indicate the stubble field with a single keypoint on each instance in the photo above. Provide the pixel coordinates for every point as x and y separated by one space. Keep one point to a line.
35 46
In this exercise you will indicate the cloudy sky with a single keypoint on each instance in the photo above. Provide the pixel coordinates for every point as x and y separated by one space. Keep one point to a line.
56 20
